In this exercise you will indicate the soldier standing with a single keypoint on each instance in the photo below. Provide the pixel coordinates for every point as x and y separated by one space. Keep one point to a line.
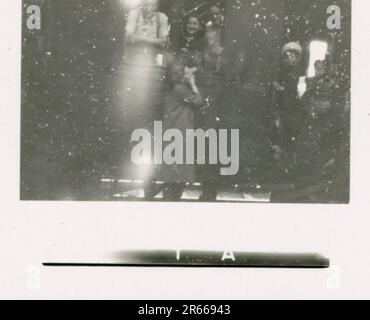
289 114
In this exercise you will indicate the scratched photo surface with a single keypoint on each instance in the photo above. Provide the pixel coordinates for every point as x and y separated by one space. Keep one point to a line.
244 101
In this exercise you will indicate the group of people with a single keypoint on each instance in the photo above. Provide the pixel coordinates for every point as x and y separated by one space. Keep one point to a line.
148 30
302 135
198 50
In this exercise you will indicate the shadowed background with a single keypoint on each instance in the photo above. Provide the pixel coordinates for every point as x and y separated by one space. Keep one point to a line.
75 111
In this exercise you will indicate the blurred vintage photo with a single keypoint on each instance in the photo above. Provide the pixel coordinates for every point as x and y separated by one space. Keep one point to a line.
186 101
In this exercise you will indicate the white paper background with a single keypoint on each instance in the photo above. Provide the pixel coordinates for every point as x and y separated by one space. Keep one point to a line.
31 233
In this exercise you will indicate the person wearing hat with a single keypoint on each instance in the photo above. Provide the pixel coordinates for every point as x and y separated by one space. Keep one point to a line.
288 115
292 54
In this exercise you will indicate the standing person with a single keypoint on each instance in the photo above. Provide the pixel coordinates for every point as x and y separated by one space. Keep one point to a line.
141 82
214 62
147 30
180 105
286 103
322 137
214 35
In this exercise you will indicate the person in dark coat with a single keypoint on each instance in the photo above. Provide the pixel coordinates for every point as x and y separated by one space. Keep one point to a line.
287 107
212 88
179 111
319 143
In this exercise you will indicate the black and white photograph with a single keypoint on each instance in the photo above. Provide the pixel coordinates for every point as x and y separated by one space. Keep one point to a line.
182 155
186 101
